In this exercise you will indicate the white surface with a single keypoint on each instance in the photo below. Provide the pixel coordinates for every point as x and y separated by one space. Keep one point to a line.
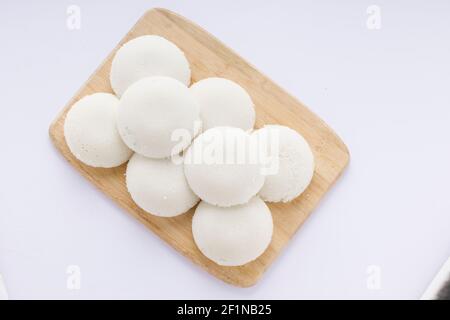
90 130
222 167
235 235
224 103
151 110
292 160
385 92
148 56
3 292
159 186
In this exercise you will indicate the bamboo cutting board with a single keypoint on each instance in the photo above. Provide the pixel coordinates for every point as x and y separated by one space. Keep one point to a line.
208 57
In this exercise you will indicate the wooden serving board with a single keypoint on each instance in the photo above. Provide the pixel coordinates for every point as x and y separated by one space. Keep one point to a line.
209 57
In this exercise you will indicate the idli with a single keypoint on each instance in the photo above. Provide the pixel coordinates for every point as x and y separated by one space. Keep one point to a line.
224 103
159 186
221 167
91 132
151 110
293 159
147 56
235 235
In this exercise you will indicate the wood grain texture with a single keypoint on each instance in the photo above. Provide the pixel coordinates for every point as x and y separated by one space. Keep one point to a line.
208 57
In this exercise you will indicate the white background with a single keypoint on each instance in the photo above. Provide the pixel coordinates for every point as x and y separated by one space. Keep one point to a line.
385 92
